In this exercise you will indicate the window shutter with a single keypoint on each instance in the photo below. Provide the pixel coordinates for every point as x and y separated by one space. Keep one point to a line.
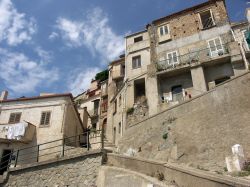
43 118
166 29
12 118
15 117
47 118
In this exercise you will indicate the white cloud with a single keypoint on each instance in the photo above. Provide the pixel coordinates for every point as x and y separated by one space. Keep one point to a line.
80 82
53 35
14 27
23 75
93 32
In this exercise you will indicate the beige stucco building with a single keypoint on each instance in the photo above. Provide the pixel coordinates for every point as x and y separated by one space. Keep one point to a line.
47 118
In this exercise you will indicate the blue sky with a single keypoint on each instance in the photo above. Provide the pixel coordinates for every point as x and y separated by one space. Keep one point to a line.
59 45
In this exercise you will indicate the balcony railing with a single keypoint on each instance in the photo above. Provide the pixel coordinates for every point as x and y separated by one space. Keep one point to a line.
193 58
19 132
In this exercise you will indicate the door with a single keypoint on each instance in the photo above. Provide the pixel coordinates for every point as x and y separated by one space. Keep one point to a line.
177 94
215 47
5 160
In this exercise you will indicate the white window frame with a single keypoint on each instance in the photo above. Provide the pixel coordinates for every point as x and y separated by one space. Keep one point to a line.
137 63
211 13
215 53
177 56
164 31
244 38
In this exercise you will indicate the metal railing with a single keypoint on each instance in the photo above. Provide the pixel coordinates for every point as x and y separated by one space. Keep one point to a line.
53 149
192 58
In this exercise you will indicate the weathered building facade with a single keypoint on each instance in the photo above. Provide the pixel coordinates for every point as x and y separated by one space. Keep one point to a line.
26 122
174 59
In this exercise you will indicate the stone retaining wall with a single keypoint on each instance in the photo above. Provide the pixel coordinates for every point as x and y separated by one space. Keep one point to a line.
178 175
71 171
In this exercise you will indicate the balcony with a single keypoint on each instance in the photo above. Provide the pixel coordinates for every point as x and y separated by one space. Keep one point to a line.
20 132
206 55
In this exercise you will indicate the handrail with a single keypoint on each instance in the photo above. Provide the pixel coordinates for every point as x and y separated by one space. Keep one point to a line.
36 154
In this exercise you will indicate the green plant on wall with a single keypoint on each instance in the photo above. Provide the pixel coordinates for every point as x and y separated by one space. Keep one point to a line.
130 110
165 136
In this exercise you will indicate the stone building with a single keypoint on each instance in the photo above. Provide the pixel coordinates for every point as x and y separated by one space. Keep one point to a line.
32 121
88 105
180 56
176 58
116 114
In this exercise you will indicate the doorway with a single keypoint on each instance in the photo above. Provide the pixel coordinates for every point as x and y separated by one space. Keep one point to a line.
5 160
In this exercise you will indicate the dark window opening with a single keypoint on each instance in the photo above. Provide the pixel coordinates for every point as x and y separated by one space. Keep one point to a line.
94 126
139 88
120 127
138 39
4 161
221 80
207 19
96 107
177 93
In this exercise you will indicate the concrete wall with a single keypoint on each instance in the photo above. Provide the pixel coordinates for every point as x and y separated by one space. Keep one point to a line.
200 131
78 170
179 175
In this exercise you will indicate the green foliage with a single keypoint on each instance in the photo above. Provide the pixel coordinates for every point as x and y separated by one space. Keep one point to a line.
165 136
130 110
102 76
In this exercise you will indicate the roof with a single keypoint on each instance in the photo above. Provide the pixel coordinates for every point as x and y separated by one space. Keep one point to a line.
117 61
38 97
240 23
186 10
135 33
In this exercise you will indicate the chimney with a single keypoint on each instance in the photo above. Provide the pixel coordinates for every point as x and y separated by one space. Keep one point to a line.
4 95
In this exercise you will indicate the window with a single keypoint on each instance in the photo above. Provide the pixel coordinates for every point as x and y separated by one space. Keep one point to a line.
120 100
207 19
215 47
45 118
138 39
120 127
15 117
172 58
136 62
114 107
177 94
164 30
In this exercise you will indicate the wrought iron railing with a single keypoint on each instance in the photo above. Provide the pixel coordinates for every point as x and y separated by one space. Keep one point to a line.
53 149
192 58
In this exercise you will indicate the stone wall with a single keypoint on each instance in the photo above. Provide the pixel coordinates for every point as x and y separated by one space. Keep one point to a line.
198 132
173 175
79 170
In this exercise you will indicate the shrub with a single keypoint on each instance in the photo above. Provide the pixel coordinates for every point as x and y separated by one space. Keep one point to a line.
130 110
165 136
